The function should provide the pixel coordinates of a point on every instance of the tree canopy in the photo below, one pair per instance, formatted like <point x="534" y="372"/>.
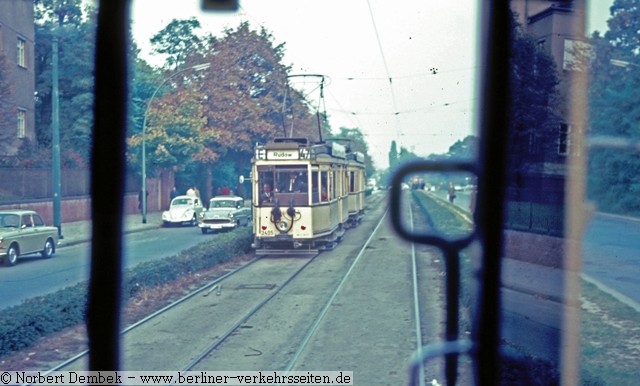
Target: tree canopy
<point x="614" y="106"/>
<point x="210" y="102"/>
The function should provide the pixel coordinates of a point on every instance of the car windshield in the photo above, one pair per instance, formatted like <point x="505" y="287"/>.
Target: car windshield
<point x="402" y="83"/>
<point x="223" y="204"/>
<point x="182" y="202"/>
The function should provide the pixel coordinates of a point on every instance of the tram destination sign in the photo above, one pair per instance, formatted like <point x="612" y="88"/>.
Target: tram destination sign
<point x="292" y="154"/>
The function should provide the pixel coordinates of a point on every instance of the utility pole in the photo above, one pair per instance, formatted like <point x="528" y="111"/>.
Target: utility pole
<point x="55" y="136"/>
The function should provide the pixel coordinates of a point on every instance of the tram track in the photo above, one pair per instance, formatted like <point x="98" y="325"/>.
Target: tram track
<point x="230" y="327"/>
<point x="429" y="267"/>
<point x="155" y="342"/>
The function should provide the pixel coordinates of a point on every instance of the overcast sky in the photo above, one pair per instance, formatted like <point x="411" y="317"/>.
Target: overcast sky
<point x="379" y="59"/>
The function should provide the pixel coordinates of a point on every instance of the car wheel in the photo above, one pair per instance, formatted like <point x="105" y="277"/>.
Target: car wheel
<point x="204" y="231"/>
<point x="194" y="221"/>
<point x="48" y="249"/>
<point x="12" y="255"/>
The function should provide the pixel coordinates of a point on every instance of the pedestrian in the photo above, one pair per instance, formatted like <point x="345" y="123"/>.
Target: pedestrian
<point x="140" y="199"/>
<point x="451" y="192"/>
<point x="173" y="194"/>
<point x="191" y="191"/>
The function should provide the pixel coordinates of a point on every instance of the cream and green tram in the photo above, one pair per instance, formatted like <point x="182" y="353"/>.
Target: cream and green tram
<point x="300" y="195"/>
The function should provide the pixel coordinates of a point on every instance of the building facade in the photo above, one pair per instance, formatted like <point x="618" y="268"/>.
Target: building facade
<point x="17" y="75"/>
<point x="558" y="28"/>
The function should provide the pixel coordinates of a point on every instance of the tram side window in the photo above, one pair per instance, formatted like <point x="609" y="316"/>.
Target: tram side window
<point x="319" y="187"/>
<point x="334" y="182"/>
<point x="324" y="187"/>
<point x="352" y="182"/>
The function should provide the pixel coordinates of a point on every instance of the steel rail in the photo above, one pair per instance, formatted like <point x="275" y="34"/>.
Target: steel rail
<point x="158" y="312"/>
<point x="244" y="318"/>
<point x="314" y="326"/>
<point x="416" y="301"/>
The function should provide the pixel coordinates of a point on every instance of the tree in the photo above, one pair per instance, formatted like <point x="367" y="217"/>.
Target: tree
<point x="59" y="12"/>
<point x="174" y="132"/>
<point x="178" y="41"/>
<point x="614" y="106"/>
<point x="358" y="143"/>
<point x="246" y="90"/>
<point x="464" y="149"/>
<point x="534" y="98"/>
<point x="74" y="31"/>
<point x="393" y="155"/>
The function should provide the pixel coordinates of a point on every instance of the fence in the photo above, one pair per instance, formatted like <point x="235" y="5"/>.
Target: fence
<point x="35" y="184"/>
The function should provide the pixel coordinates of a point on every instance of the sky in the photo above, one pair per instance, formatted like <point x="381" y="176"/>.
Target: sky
<point x="397" y="72"/>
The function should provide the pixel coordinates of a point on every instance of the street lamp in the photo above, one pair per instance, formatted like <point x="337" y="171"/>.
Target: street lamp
<point x="198" y="67"/>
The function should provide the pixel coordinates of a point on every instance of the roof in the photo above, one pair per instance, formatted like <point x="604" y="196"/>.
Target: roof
<point x="17" y="211"/>
<point x="227" y="197"/>
<point x="184" y="196"/>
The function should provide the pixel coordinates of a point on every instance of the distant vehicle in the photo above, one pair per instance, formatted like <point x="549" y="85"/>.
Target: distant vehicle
<point x="225" y="212"/>
<point x="183" y="210"/>
<point x="23" y="232"/>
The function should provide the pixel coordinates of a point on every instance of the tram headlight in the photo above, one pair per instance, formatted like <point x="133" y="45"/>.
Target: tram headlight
<point x="283" y="226"/>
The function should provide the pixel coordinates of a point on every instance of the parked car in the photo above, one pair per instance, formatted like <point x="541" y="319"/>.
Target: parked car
<point x="23" y="232"/>
<point x="183" y="210"/>
<point x="225" y="212"/>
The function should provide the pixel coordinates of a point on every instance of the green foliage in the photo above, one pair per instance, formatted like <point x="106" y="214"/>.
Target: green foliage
<point x="178" y="41"/>
<point x="247" y="89"/>
<point x="75" y="72"/>
<point x="358" y="143"/>
<point x="614" y="106"/>
<point x="534" y="96"/>
<point x="614" y="180"/>
<point x="22" y="325"/>
<point x="396" y="159"/>
<point x="58" y="12"/>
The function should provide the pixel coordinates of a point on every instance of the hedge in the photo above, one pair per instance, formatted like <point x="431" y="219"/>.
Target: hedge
<point x="24" y="324"/>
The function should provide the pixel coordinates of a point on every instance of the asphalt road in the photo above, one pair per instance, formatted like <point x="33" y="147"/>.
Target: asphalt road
<point x="34" y="276"/>
<point x="611" y="254"/>
<point x="610" y="251"/>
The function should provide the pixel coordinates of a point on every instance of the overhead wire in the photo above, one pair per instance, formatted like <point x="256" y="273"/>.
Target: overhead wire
<point x="386" y="67"/>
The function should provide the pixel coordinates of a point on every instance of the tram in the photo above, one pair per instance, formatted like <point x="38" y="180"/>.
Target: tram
<point x="305" y="195"/>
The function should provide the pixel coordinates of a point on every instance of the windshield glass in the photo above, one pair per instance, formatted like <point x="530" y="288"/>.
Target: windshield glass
<point x="395" y="84"/>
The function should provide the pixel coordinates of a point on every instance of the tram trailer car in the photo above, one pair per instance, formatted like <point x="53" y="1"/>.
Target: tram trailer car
<point x="305" y="195"/>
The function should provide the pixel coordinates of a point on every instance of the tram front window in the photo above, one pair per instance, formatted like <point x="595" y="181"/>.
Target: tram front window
<point x="286" y="186"/>
<point x="292" y="181"/>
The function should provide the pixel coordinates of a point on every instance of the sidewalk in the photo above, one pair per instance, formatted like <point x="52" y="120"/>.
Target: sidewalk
<point x="80" y="231"/>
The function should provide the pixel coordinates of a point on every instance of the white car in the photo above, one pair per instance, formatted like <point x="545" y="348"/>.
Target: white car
<point x="225" y="212"/>
<point x="183" y="210"/>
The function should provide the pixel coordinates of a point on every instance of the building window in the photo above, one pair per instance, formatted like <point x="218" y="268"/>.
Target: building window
<point x="563" y="139"/>
<point x="22" y="123"/>
<point x="22" y="60"/>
